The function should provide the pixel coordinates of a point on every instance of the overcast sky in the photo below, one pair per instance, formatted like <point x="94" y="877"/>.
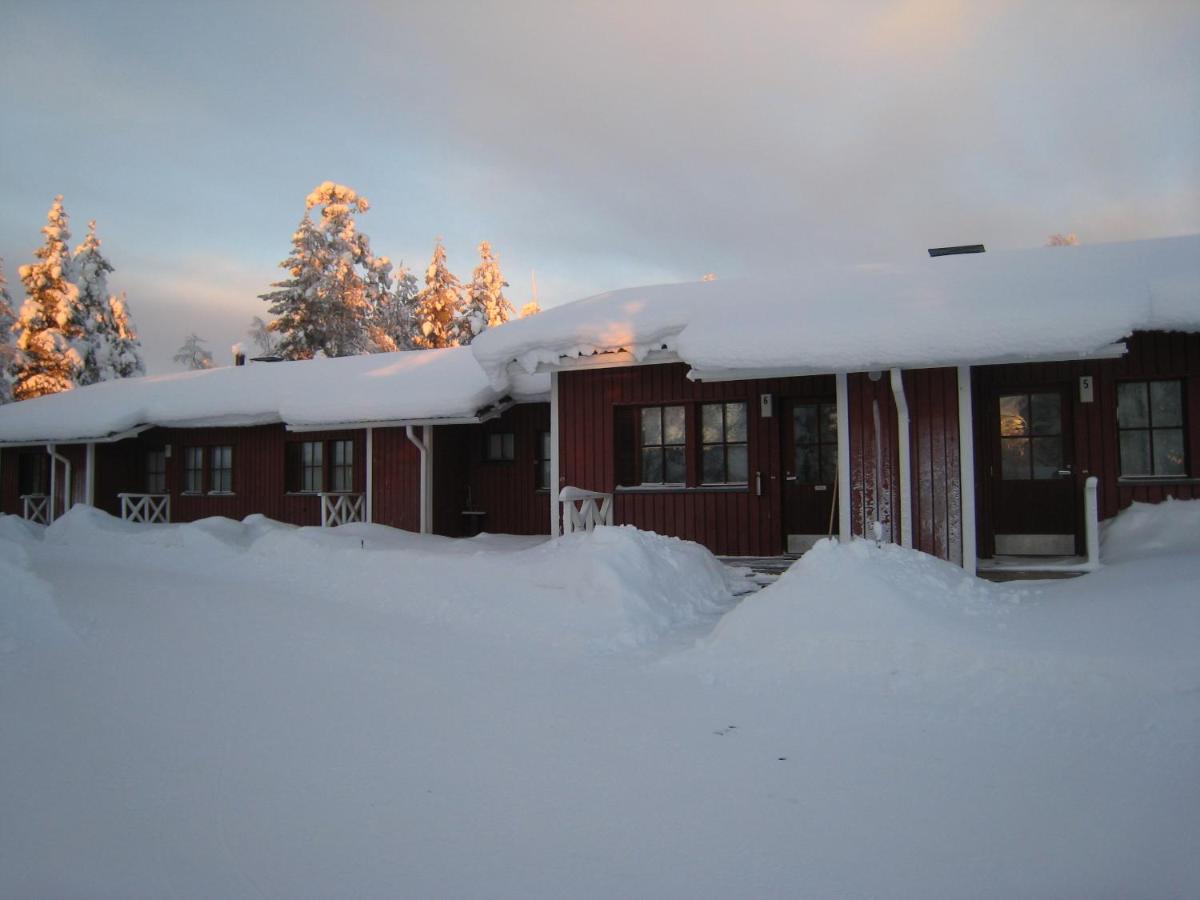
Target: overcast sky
<point x="601" y="144"/>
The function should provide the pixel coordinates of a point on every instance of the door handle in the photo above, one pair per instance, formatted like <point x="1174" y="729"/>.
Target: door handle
<point x="1065" y="472"/>
<point x="789" y="478"/>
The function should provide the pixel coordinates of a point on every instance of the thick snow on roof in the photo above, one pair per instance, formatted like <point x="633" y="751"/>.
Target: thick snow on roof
<point x="413" y="385"/>
<point x="1060" y="302"/>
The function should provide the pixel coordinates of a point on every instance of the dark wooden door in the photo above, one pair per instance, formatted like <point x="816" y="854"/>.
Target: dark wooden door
<point x="810" y="469"/>
<point x="1033" y="481"/>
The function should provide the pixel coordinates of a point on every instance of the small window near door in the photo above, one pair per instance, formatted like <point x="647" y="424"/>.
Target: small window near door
<point x="156" y="472"/>
<point x="1150" y="428"/>
<point x="1031" y="439"/>
<point x="814" y="429"/>
<point x="663" y="438"/>
<point x="501" y="447"/>
<point x="723" y="443"/>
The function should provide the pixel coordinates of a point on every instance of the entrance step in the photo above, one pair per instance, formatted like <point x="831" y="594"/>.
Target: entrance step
<point x="1030" y="568"/>
<point x="764" y="570"/>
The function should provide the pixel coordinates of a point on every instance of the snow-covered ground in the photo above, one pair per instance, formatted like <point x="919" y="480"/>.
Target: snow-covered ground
<point x="231" y="709"/>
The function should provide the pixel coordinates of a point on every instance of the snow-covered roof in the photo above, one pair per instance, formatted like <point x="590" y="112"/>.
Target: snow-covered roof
<point x="1046" y="303"/>
<point x="412" y="386"/>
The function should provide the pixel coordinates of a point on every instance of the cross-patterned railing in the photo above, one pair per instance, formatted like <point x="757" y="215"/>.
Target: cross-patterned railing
<point x="36" y="508"/>
<point x="146" y="508"/>
<point x="339" y="509"/>
<point x="584" y="510"/>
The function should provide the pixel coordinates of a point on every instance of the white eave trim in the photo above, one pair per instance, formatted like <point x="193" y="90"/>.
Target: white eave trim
<point x="1108" y="351"/>
<point x="492" y="413"/>
<point x="95" y="439"/>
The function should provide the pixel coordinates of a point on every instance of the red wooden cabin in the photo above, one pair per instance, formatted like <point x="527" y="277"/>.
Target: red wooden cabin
<point x="967" y="407"/>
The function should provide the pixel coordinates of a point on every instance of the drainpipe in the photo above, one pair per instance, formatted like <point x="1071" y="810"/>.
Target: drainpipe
<point x="555" y="505"/>
<point x="902" y="428"/>
<point x="55" y="457"/>
<point x="89" y="475"/>
<point x="843" y="451"/>
<point x="424" y="444"/>
<point x="370" y="504"/>
<point x="966" y="468"/>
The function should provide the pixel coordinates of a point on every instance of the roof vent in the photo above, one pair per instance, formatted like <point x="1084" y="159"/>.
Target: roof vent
<point x="956" y="251"/>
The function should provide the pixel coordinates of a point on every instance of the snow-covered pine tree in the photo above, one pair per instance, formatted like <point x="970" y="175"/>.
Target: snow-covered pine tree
<point x="7" y="349"/>
<point x="108" y="345"/>
<point x="394" y="314"/>
<point x="325" y="304"/>
<point x="50" y="320"/>
<point x="294" y="301"/>
<point x="530" y="309"/>
<point x="439" y="305"/>
<point x="124" y="346"/>
<point x="192" y="356"/>
<point x="89" y="271"/>
<point x="486" y="304"/>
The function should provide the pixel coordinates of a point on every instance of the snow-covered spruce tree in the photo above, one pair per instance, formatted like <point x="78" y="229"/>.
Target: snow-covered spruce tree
<point x="124" y="348"/>
<point x="393" y="317"/>
<point x="530" y="309"/>
<point x="335" y="280"/>
<point x="7" y="349"/>
<point x="50" y="321"/>
<point x="486" y="304"/>
<point x="439" y="305"/>
<point x="192" y="356"/>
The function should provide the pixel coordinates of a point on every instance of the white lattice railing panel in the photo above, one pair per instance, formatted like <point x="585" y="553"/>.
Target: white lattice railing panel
<point x="149" y="509"/>
<point x="584" y="510"/>
<point x="36" y="508"/>
<point x="340" y="509"/>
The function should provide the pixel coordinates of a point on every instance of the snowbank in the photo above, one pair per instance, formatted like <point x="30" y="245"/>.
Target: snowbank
<point x="1146" y="530"/>
<point x="859" y="609"/>
<point x="613" y="589"/>
<point x="1060" y="302"/>
<point x="381" y="387"/>
<point x="910" y="619"/>
<point x="29" y="619"/>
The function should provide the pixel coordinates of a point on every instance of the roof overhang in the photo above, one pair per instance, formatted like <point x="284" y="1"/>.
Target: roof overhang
<point x="1108" y="351"/>
<point x="96" y="439"/>
<point x="484" y="415"/>
<point x="601" y="359"/>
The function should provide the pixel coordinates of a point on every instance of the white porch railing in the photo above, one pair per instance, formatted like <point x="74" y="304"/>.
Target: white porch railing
<point x="339" y="509"/>
<point x="36" y="508"/>
<point x="149" y="509"/>
<point x="584" y="510"/>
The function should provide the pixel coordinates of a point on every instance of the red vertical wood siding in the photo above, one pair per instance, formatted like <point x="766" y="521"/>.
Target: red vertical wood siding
<point x="932" y="396"/>
<point x="396" y="479"/>
<point x="505" y="490"/>
<point x="733" y="521"/>
<point x="1151" y="355"/>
